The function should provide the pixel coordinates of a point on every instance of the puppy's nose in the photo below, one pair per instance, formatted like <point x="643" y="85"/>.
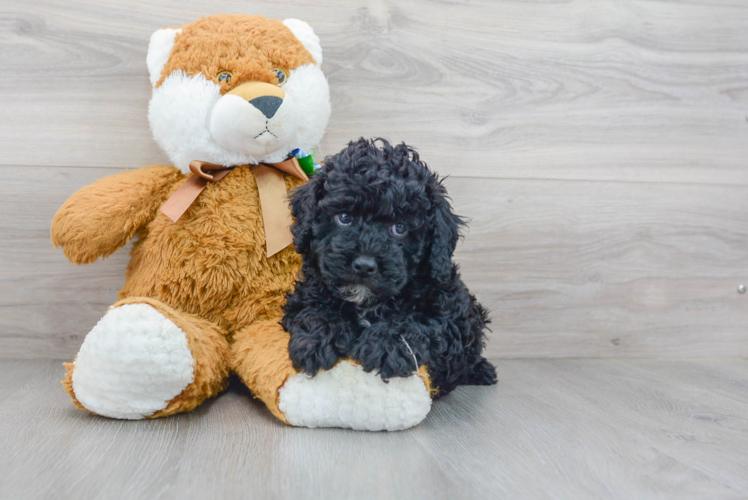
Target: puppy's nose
<point x="365" y="266"/>
<point x="268" y="104"/>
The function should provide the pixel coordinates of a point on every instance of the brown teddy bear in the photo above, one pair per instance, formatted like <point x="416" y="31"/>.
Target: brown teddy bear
<point x="233" y="97"/>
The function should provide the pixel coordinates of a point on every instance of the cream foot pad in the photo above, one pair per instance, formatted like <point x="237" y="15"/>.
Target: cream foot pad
<point x="348" y="397"/>
<point x="132" y="363"/>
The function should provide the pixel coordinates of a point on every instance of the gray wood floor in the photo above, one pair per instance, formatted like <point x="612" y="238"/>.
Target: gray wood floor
<point x="550" y="429"/>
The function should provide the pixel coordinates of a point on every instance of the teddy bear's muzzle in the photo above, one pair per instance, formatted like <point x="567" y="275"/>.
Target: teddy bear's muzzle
<point x="255" y="118"/>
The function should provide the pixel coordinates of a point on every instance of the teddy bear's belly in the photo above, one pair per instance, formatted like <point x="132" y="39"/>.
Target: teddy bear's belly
<point x="212" y="262"/>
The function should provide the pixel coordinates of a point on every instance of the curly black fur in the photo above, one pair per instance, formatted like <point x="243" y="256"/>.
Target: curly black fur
<point x="372" y="294"/>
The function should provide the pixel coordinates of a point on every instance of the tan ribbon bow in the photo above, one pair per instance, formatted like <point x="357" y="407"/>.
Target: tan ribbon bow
<point x="276" y="216"/>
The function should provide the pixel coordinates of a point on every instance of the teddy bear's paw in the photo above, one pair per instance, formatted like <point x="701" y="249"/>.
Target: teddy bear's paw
<point x="132" y="363"/>
<point x="348" y="397"/>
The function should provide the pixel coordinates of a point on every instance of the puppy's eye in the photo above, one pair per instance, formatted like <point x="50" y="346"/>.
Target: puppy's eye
<point x="224" y="77"/>
<point x="343" y="219"/>
<point x="280" y="75"/>
<point x="398" y="230"/>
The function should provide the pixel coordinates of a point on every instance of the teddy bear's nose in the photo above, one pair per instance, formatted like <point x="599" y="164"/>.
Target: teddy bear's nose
<point x="268" y="104"/>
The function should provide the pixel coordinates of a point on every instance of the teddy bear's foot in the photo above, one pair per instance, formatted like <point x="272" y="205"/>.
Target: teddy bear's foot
<point x="348" y="397"/>
<point x="144" y="359"/>
<point x="344" y="396"/>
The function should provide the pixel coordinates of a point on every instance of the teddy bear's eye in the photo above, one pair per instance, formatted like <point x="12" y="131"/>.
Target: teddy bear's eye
<point x="343" y="219"/>
<point x="280" y="75"/>
<point x="224" y="76"/>
<point x="399" y="230"/>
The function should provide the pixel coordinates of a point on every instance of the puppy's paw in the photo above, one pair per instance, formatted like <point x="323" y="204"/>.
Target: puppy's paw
<point x="375" y="357"/>
<point x="483" y="373"/>
<point x="390" y="354"/>
<point x="397" y="366"/>
<point x="311" y="354"/>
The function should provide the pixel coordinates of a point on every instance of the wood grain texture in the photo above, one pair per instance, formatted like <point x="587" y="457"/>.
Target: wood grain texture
<point x="549" y="429"/>
<point x="599" y="148"/>
<point x="568" y="269"/>
<point x="573" y="269"/>
<point x="601" y="90"/>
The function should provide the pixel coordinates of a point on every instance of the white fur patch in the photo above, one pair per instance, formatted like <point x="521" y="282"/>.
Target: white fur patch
<point x="132" y="363"/>
<point x="239" y="126"/>
<point x="348" y="397"/>
<point x="181" y="109"/>
<point x="159" y="50"/>
<point x="356" y="293"/>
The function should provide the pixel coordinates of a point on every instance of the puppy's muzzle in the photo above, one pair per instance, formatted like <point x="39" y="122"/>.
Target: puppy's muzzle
<point x="365" y="266"/>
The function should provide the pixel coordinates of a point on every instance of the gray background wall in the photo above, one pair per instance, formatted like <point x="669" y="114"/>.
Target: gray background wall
<point x="600" y="149"/>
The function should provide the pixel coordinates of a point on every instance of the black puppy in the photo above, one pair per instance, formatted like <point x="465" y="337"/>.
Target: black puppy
<point x="376" y="232"/>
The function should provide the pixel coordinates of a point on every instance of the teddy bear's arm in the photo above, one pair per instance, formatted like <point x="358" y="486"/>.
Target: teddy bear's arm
<point x="100" y="218"/>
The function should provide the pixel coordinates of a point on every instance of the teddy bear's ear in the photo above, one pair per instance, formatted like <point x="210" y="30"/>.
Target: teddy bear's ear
<point x="159" y="49"/>
<point x="305" y="34"/>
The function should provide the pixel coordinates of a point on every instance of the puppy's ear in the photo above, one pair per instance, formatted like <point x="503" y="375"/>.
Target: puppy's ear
<point x="304" y="201"/>
<point x="445" y="231"/>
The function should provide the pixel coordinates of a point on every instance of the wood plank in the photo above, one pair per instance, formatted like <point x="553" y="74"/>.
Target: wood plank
<point x="550" y="428"/>
<point x="714" y="375"/>
<point x="568" y="268"/>
<point x="47" y="303"/>
<point x="607" y="269"/>
<point x="598" y="90"/>
<point x="608" y="431"/>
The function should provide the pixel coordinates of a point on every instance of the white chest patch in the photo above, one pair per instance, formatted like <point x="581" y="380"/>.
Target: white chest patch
<point x="348" y="397"/>
<point x="356" y="293"/>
